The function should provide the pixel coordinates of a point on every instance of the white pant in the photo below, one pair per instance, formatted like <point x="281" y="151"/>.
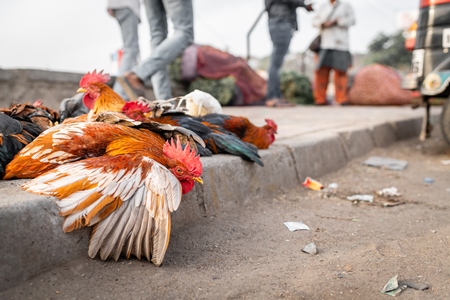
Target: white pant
<point x="128" y="22"/>
<point x="165" y="50"/>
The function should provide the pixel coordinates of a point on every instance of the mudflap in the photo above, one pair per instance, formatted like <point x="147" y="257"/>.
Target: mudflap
<point x="445" y="120"/>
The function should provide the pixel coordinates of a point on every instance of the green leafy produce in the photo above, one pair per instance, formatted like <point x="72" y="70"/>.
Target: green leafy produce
<point x="222" y="89"/>
<point x="296" y="88"/>
<point x="175" y="70"/>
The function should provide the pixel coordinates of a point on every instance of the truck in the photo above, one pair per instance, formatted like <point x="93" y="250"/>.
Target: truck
<point x="430" y="65"/>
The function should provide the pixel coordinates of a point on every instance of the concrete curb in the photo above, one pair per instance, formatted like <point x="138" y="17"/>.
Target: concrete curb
<point x="32" y="236"/>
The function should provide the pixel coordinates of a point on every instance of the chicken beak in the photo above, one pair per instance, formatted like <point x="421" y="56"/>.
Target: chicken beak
<point x="81" y="90"/>
<point x="198" y="179"/>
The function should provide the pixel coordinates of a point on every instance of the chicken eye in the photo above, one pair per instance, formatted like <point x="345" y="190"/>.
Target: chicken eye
<point x="179" y="171"/>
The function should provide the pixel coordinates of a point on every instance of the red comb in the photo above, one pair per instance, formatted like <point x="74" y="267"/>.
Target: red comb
<point x="135" y="105"/>
<point x="272" y="124"/>
<point x="94" y="77"/>
<point x="187" y="157"/>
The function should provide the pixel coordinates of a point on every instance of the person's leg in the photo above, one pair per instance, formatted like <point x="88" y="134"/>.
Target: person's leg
<point x="321" y="77"/>
<point x="181" y="14"/>
<point x="280" y="34"/>
<point x="340" y="84"/>
<point x="128" y="22"/>
<point x="157" y="20"/>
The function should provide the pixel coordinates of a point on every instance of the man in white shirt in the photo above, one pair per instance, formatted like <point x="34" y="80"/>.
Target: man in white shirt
<point x="334" y="19"/>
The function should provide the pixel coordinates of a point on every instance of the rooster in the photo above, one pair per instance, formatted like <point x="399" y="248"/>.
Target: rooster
<point x="19" y="125"/>
<point x="99" y="97"/>
<point x="261" y="137"/>
<point x="217" y="139"/>
<point x="122" y="180"/>
<point x="72" y="107"/>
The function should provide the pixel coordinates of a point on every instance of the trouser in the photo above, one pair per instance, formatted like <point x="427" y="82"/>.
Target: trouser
<point x="281" y="35"/>
<point x="165" y="50"/>
<point x="321" y="78"/>
<point x="128" y="22"/>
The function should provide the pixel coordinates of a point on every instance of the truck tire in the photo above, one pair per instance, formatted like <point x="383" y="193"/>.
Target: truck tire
<point x="445" y="120"/>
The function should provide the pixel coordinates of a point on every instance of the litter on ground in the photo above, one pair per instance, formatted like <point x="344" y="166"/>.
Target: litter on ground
<point x="293" y="226"/>
<point x="392" y="288"/>
<point x="389" y="192"/>
<point x="333" y="185"/>
<point x="367" y="198"/>
<point x="312" y="184"/>
<point x="386" y="162"/>
<point x="428" y="180"/>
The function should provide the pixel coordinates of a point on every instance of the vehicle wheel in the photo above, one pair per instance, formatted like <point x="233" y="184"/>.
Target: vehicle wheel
<point x="445" y="120"/>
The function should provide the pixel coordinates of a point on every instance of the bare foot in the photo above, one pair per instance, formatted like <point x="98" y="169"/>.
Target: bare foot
<point x="276" y="102"/>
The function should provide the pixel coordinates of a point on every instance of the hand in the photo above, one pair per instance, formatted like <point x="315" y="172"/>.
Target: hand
<point x="309" y="7"/>
<point x="329" y="24"/>
<point x="111" y="12"/>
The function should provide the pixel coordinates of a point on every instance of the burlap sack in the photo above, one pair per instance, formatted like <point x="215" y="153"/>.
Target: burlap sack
<point x="378" y="85"/>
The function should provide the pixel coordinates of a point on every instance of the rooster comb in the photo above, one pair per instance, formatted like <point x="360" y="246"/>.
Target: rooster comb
<point x="186" y="156"/>
<point x="271" y="123"/>
<point x="136" y="105"/>
<point x="94" y="77"/>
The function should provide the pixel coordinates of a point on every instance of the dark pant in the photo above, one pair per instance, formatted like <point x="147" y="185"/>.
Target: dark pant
<point x="280" y="34"/>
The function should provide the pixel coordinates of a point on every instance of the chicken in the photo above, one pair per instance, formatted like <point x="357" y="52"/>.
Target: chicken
<point x="261" y="137"/>
<point x="122" y="180"/>
<point x="36" y="113"/>
<point x="98" y="96"/>
<point x="199" y="103"/>
<point x="19" y="125"/>
<point x="217" y="139"/>
<point x="72" y="107"/>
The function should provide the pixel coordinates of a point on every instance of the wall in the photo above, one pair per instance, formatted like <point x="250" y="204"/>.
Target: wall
<point x="26" y="85"/>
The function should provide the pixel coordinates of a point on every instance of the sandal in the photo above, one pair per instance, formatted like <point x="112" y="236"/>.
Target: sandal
<point x="132" y="93"/>
<point x="276" y="102"/>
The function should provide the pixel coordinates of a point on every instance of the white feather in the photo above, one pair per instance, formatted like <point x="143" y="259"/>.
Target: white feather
<point x="199" y="103"/>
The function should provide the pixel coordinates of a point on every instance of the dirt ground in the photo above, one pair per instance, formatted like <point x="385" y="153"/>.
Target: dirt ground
<point x="248" y="253"/>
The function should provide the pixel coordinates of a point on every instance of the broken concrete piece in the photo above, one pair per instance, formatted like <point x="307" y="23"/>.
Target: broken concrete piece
<point x="310" y="249"/>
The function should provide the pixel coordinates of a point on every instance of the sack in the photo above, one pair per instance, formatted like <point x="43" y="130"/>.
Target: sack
<point x="315" y="44"/>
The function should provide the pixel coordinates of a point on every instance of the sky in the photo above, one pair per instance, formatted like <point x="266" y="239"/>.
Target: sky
<point x="79" y="36"/>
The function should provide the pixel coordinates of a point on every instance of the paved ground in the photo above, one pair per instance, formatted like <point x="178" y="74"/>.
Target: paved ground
<point x="228" y="230"/>
<point x="303" y="120"/>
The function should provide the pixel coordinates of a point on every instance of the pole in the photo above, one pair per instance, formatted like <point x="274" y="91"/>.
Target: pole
<point x="250" y="31"/>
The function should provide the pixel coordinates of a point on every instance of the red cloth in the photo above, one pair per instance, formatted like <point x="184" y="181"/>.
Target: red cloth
<point x="377" y="84"/>
<point x="215" y="64"/>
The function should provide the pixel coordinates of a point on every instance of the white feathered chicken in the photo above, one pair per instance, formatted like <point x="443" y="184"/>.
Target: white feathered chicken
<point x="199" y="103"/>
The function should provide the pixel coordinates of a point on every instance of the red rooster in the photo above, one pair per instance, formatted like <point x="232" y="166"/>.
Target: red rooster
<point x="123" y="180"/>
<point x="98" y="96"/>
<point x="261" y="137"/>
<point x="217" y="139"/>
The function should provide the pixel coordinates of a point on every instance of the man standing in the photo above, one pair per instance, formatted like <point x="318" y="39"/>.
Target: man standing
<point x="334" y="19"/>
<point x="282" y="25"/>
<point x="164" y="49"/>
<point x="127" y="14"/>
